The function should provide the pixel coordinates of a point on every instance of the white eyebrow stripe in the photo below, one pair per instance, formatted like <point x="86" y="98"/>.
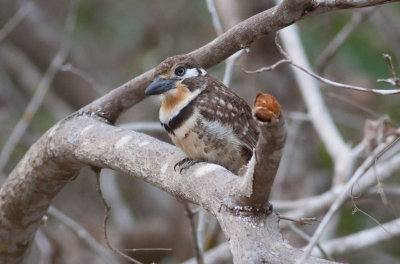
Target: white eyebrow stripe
<point x="192" y="72"/>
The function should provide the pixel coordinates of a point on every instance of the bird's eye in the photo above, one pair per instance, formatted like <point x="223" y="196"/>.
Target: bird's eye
<point x="180" y="71"/>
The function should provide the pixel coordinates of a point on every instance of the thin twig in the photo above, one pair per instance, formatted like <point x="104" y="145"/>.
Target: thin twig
<point x="107" y="209"/>
<point x="317" y="111"/>
<point x="300" y="221"/>
<point x="122" y="211"/>
<point x="85" y="76"/>
<point x="230" y="63"/>
<point x="82" y="233"/>
<point x="15" y="20"/>
<point x="313" y="205"/>
<point x="394" y="80"/>
<point x="365" y="166"/>
<point x="46" y="248"/>
<point x="40" y="93"/>
<point x="269" y="68"/>
<point x="379" y="186"/>
<point x="197" y="249"/>
<point x="215" y="18"/>
<point x="201" y="228"/>
<point x="322" y="79"/>
<point x="307" y="238"/>
<point x="357" y="209"/>
<point x="391" y="190"/>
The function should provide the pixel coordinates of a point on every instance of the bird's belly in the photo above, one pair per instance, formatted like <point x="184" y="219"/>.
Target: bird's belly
<point x="199" y="142"/>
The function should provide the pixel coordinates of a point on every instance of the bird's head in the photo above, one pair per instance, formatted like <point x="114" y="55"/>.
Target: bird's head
<point x="173" y="71"/>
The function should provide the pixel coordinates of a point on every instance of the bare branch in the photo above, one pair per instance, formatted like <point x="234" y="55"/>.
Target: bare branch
<point x="45" y="246"/>
<point x="370" y="161"/>
<point x="196" y="247"/>
<point x="394" y="80"/>
<point x="73" y="143"/>
<point x="230" y="63"/>
<point x="324" y="5"/>
<point x="317" y="111"/>
<point x="235" y="39"/>
<point x="327" y="81"/>
<point x="363" y="239"/>
<point x="315" y="204"/>
<point x="15" y="20"/>
<point x="306" y="237"/>
<point x="107" y="209"/>
<point x="215" y="18"/>
<point x="121" y="214"/>
<point x="260" y="174"/>
<point x="82" y="233"/>
<point x="238" y="37"/>
<point x="80" y="141"/>
<point x="202" y="222"/>
<point x="216" y="255"/>
<point x="42" y="88"/>
<point x="300" y="221"/>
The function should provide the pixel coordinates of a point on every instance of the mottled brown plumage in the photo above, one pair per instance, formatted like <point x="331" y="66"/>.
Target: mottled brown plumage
<point x="203" y="117"/>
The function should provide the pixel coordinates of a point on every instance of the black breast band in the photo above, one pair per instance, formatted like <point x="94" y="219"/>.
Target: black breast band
<point x="181" y="117"/>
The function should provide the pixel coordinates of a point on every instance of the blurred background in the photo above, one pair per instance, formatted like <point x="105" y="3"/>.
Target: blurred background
<point x="114" y="41"/>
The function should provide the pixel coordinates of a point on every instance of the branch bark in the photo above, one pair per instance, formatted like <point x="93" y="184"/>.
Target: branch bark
<point x="79" y="141"/>
<point x="86" y="138"/>
<point x="262" y="168"/>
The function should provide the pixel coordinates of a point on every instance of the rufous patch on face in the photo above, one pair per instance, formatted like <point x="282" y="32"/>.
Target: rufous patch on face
<point x="175" y="97"/>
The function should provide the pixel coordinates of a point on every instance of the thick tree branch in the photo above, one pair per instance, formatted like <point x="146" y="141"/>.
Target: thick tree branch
<point x="238" y="37"/>
<point x="330" y="5"/>
<point x="262" y="168"/>
<point x="85" y="139"/>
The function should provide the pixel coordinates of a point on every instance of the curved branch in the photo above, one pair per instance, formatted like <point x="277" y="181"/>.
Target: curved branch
<point x="238" y="37"/>
<point x="79" y="141"/>
<point x="85" y="139"/>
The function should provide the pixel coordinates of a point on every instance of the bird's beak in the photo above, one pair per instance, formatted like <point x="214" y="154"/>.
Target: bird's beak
<point x="159" y="85"/>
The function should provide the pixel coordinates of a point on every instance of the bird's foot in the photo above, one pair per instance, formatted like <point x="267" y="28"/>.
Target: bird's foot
<point x="186" y="163"/>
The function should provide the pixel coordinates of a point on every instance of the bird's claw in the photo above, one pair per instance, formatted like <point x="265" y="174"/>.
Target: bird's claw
<point x="181" y="162"/>
<point x="185" y="164"/>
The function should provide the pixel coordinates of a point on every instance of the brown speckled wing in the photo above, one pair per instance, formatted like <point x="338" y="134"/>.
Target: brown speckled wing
<point x="219" y="103"/>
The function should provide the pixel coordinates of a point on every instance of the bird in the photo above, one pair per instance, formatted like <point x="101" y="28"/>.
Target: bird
<point x="203" y="117"/>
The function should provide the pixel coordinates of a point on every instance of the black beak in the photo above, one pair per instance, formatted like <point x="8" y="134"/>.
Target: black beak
<point x="159" y="85"/>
